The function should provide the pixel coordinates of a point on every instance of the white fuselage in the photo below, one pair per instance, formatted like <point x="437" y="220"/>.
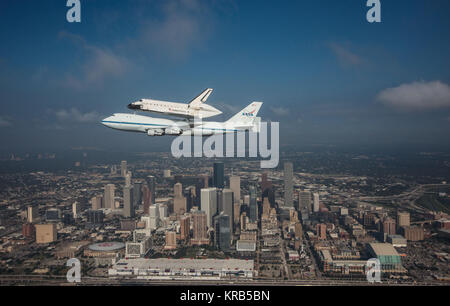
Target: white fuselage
<point x="175" y="109"/>
<point x="160" y="127"/>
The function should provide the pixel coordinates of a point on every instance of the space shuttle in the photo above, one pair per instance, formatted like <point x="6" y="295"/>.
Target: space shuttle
<point x="197" y="108"/>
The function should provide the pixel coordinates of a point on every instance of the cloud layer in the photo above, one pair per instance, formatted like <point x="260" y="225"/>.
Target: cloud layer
<point x="4" y="122"/>
<point x="74" y="115"/>
<point x="345" y="56"/>
<point x="417" y="96"/>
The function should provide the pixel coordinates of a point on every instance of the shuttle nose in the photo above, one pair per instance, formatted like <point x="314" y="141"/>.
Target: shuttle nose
<point x="134" y="106"/>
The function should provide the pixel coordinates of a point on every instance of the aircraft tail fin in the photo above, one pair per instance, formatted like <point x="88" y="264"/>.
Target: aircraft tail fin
<point x="247" y="116"/>
<point x="196" y="102"/>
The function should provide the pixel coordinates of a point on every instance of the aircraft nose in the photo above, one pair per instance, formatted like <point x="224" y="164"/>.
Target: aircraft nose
<point x="107" y="121"/>
<point x="134" y="106"/>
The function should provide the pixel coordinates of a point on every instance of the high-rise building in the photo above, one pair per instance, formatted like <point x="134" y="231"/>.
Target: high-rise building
<point x="244" y="221"/>
<point x="179" y="201"/>
<point x="94" y="218"/>
<point x="219" y="175"/>
<point x="97" y="202"/>
<point x="222" y="238"/>
<point x="209" y="204"/>
<point x="253" y="205"/>
<point x="413" y="233"/>
<point x="154" y="216"/>
<point x="298" y="231"/>
<point x="32" y="213"/>
<point x="321" y="231"/>
<point x="265" y="183"/>
<point x="76" y="210"/>
<point x="166" y="173"/>
<point x="304" y="201"/>
<point x="185" y="228"/>
<point x="316" y="202"/>
<point x="228" y="206"/>
<point x="53" y="214"/>
<point x="45" y="233"/>
<point x="28" y="230"/>
<point x="403" y="219"/>
<point x="109" y="196"/>
<point x="128" y="208"/>
<point x="288" y="184"/>
<point x="235" y="186"/>
<point x="128" y="178"/>
<point x="237" y="212"/>
<point x="123" y="168"/>
<point x="171" y="240"/>
<point x="200" y="228"/>
<point x="137" y="194"/>
<point x="266" y="209"/>
<point x="147" y="198"/>
<point x="151" y="183"/>
<point x="389" y="227"/>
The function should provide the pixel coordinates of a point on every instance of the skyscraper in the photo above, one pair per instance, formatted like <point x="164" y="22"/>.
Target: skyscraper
<point x="123" y="168"/>
<point x="222" y="238"/>
<point x="321" y="231"/>
<point x="128" y="178"/>
<point x="209" y="204"/>
<point x="179" y="201"/>
<point x="219" y="175"/>
<point x="128" y="208"/>
<point x="253" y="205"/>
<point x="97" y="202"/>
<point x="228" y="206"/>
<point x="109" y="196"/>
<point x="147" y="198"/>
<point x="76" y="209"/>
<point x="316" y="202"/>
<point x="200" y="233"/>
<point x="403" y="219"/>
<point x="32" y="213"/>
<point x="304" y="201"/>
<point x="185" y="227"/>
<point x="151" y="183"/>
<point x="389" y="226"/>
<point x="288" y="184"/>
<point x="137" y="194"/>
<point x="235" y="186"/>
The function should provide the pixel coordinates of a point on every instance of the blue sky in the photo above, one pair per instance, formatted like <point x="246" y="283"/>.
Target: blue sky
<point x="326" y="74"/>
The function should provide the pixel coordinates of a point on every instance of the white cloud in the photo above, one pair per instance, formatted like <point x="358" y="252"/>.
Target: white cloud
<point x="417" y="96"/>
<point x="345" y="56"/>
<point x="280" y="111"/>
<point x="4" y="122"/>
<point x="184" y="24"/>
<point x="100" y="64"/>
<point x="74" y="115"/>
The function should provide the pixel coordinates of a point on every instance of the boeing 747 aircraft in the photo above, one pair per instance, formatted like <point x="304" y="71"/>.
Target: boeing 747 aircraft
<point x="245" y="120"/>
<point x="197" y="108"/>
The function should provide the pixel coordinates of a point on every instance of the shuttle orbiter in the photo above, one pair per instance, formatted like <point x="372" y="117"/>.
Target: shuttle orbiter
<point x="197" y="108"/>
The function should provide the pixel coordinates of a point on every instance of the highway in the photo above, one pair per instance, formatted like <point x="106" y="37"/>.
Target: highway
<point x="99" y="281"/>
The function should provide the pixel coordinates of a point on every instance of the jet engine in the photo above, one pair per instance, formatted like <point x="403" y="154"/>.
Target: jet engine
<point x="154" y="132"/>
<point x="173" y="131"/>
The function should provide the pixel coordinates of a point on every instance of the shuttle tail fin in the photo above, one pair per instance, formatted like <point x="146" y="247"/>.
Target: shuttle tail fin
<point x="195" y="103"/>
